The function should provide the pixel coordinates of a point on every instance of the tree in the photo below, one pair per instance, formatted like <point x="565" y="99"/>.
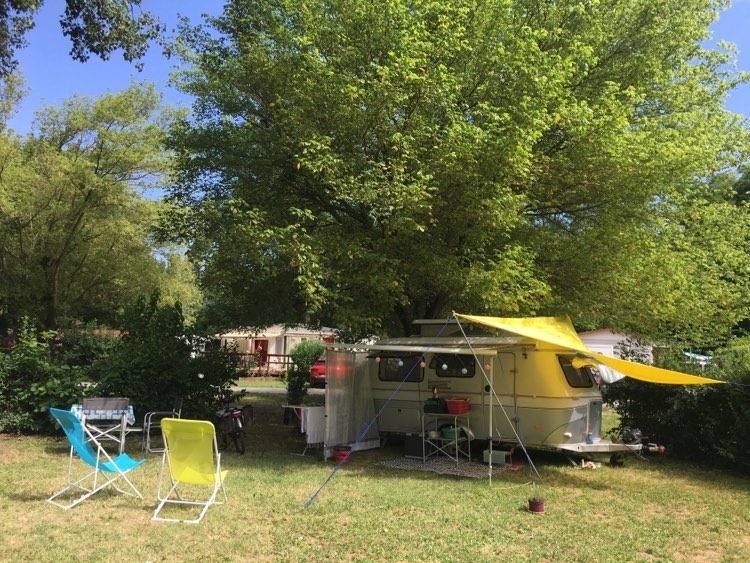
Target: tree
<point x="11" y="93"/>
<point x="179" y="283"/>
<point x="98" y="27"/>
<point x="742" y="185"/>
<point x="75" y="237"/>
<point x="368" y="163"/>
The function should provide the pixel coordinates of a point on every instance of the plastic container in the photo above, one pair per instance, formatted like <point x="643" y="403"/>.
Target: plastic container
<point x="457" y="406"/>
<point x="435" y="406"/>
<point x="413" y="445"/>
<point x="341" y="453"/>
<point x="451" y="432"/>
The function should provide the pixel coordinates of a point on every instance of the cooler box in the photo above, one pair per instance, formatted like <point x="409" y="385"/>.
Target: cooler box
<point x="435" y="406"/>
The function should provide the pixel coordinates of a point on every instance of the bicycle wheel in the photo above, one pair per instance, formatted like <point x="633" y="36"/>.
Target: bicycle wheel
<point x="221" y="435"/>
<point x="239" y="440"/>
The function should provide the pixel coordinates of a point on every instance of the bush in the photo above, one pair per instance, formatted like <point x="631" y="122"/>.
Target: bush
<point x="30" y="383"/>
<point x="84" y="346"/>
<point x="303" y="356"/>
<point x="156" y="360"/>
<point x="152" y="363"/>
<point x="693" y="421"/>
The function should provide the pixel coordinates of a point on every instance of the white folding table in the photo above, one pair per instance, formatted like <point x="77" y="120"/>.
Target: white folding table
<point x="312" y="420"/>
<point x="107" y="418"/>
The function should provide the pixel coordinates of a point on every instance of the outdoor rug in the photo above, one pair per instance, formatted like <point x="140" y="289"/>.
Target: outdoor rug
<point x="444" y="466"/>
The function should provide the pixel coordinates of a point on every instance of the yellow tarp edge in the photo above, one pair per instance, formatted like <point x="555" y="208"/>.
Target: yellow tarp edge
<point x="559" y="331"/>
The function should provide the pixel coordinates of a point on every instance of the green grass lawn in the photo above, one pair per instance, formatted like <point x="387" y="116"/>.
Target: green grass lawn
<point x="649" y="510"/>
<point x="260" y="382"/>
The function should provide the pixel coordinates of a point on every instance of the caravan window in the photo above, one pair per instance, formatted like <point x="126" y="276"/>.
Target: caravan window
<point x="577" y="377"/>
<point x="400" y="367"/>
<point x="453" y="365"/>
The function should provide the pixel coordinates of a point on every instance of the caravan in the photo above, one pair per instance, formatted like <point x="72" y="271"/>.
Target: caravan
<point x="519" y="381"/>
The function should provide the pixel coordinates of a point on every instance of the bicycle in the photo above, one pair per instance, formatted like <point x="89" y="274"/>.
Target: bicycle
<point x="231" y="419"/>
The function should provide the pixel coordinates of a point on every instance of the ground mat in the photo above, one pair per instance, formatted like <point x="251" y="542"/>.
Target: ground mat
<point x="444" y="466"/>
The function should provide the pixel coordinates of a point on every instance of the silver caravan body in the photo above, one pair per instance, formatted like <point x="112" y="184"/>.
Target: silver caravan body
<point x="519" y="389"/>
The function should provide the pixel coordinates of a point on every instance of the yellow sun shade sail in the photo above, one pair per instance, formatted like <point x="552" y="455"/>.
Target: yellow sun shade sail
<point x="559" y="331"/>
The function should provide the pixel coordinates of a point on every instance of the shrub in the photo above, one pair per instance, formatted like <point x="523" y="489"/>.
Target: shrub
<point x="84" y="346"/>
<point x="30" y="383"/>
<point x="303" y="356"/>
<point x="155" y="361"/>
<point x="693" y="421"/>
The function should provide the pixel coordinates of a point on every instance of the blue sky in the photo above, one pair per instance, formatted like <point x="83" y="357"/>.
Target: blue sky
<point x="52" y="76"/>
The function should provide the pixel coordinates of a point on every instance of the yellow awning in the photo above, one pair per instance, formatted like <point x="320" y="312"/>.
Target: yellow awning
<point x="559" y="331"/>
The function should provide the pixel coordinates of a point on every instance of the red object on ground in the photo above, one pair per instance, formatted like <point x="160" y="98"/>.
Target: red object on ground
<point x="340" y="453"/>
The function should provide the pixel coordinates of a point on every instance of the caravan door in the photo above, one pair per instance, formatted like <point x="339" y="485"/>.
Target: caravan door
<point x="499" y="405"/>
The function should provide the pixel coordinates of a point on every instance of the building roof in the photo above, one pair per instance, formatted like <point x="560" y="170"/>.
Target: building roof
<point x="278" y="330"/>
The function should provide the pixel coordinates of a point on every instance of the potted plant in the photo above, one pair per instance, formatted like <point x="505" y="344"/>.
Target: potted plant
<point x="536" y="505"/>
<point x="536" y="502"/>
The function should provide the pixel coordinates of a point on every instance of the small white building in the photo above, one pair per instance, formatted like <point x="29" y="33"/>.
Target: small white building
<point x="268" y="349"/>
<point x="610" y="343"/>
<point x="616" y="345"/>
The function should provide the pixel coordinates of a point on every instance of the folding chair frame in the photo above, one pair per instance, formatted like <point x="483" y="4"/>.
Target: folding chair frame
<point x="152" y="421"/>
<point x="106" y="470"/>
<point x="178" y="498"/>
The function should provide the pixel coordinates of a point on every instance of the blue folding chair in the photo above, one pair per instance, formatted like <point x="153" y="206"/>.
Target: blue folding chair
<point x="106" y="470"/>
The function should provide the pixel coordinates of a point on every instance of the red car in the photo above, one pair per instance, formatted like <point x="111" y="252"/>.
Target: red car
<point x="318" y="373"/>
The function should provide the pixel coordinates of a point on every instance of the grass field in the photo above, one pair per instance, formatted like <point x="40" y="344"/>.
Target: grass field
<point x="273" y="382"/>
<point x="655" y="510"/>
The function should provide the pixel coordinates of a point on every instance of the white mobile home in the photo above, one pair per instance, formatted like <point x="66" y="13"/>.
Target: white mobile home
<point x="616" y="345"/>
<point x="271" y="346"/>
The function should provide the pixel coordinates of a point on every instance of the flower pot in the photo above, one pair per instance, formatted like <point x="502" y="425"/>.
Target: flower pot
<point x="536" y="506"/>
<point x="341" y="453"/>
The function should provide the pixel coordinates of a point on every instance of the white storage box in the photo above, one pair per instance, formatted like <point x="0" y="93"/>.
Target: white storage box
<point x="499" y="457"/>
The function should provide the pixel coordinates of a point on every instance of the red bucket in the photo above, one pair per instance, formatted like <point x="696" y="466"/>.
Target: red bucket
<point x="341" y="453"/>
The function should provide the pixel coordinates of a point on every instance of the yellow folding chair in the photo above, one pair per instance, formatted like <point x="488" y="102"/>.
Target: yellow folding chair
<point x="193" y="459"/>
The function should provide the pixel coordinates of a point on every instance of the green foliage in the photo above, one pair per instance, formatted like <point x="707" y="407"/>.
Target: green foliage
<point x="693" y="421"/>
<point x="76" y="231"/>
<point x="155" y="361"/>
<point x="303" y="356"/>
<point x="30" y="383"/>
<point x="84" y="345"/>
<point x="98" y="27"/>
<point x="101" y="27"/>
<point x="368" y="163"/>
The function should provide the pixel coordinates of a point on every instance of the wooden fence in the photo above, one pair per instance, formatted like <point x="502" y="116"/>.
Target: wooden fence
<point x="274" y="364"/>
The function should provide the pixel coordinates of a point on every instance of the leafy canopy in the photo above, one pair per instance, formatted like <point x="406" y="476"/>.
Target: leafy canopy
<point x="75" y="229"/>
<point x="98" y="27"/>
<point x="367" y="163"/>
